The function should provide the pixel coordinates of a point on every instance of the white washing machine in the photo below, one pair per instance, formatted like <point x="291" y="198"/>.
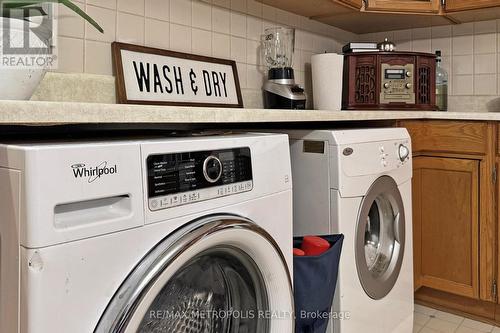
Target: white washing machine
<point x="358" y="182"/>
<point x="166" y="235"/>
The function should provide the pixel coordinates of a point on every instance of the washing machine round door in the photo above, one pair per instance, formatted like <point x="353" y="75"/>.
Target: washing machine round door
<point x="220" y="274"/>
<point x="380" y="238"/>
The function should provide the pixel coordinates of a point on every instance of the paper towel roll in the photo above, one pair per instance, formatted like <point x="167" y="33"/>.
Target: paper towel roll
<point x="327" y="69"/>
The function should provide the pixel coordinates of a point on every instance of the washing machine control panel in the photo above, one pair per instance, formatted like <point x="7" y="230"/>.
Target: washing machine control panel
<point x="181" y="178"/>
<point x="394" y="157"/>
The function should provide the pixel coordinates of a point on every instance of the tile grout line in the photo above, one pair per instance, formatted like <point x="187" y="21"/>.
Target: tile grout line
<point x="144" y="24"/>
<point x="84" y="65"/>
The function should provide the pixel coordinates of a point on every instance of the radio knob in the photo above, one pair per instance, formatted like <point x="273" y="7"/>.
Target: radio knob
<point x="387" y="85"/>
<point x="212" y="169"/>
<point x="408" y="74"/>
<point x="408" y="85"/>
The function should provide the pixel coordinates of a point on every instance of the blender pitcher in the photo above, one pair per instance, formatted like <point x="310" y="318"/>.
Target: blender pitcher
<point x="278" y="47"/>
<point x="280" y="90"/>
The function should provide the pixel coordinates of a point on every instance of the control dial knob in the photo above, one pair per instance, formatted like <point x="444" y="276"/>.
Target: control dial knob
<point x="404" y="152"/>
<point x="212" y="169"/>
<point x="387" y="85"/>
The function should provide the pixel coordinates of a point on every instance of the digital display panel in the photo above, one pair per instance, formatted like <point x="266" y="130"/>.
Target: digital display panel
<point x="183" y="172"/>
<point x="397" y="74"/>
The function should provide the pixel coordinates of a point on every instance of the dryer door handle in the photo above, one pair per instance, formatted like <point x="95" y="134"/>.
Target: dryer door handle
<point x="397" y="228"/>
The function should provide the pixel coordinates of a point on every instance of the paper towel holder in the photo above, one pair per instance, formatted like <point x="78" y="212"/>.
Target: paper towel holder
<point x="327" y="81"/>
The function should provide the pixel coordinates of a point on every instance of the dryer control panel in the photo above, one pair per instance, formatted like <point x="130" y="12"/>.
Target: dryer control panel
<point x="181" y="178"/>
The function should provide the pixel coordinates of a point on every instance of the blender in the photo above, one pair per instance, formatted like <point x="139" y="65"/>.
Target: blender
<point x="280" y="89"/>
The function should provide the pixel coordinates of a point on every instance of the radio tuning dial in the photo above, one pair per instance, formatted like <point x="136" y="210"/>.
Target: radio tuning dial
<point x="408" y="74"/>
<point x="387" y="85"/>
<point x="408" y="85"/>
<point x="212" y="169"/>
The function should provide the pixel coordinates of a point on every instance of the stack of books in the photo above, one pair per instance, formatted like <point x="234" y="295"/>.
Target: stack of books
<point x="360" y="47"/>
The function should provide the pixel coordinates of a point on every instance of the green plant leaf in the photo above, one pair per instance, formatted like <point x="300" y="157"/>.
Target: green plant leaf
<point x="80" y="12"/>
<point x="26" y="3"/>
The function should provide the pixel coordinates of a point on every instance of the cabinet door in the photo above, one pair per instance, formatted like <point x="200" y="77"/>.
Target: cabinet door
<point x="446" y="222"/>
<point x="458" y="5"/>
<point x="414" y="6"/>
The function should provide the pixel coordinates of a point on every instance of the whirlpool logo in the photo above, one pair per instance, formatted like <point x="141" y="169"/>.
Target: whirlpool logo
<point x="80" y="170"/>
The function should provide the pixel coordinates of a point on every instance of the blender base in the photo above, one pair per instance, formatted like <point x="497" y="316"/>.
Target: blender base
<point x="281" y="91"/>
<point x="274" y="101"/>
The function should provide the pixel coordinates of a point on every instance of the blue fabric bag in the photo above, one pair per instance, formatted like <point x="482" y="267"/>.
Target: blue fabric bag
<point x="315" y="279"/>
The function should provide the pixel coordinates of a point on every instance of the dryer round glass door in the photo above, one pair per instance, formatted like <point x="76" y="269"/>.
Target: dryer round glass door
<point x="380" y="238"/>
<point x="219" y="274"/>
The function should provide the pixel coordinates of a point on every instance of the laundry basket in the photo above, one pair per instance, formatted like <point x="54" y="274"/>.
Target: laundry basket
<point x="315" y="279"/>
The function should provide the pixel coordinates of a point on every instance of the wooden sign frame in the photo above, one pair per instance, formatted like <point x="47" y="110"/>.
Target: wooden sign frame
<point x="121" y="92"/>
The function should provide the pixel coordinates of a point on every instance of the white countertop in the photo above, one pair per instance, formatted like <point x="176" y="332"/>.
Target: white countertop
<point x="59" y="113"/>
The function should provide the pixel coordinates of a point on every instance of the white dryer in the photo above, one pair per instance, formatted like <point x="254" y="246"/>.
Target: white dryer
<point x="358" y="182"/>
<point x="179" y="234"/>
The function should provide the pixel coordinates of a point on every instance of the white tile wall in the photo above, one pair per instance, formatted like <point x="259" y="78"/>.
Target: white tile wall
<point x="180" y="11"/>
<point x="221" y="45"/>
<point x="130" y="28"/>
<point x="70" y="25"/>
<point x="202" y="42"/>
<point x="220" y="28"/>
<point x="103" y="3"/>
<point x="131" y="6"/>
<point x="232" y="29"/>
<point x="71" y="54"/>
<point x="158" y="9"/>
<point x="98" y="50"/>
<point x="157" y="33"/>
<point x="106" y="18"/>
<point x="471" y="55"/>
<point x="180" y="38"/>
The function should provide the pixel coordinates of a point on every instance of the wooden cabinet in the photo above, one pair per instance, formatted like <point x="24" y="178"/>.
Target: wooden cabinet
<point x="314" y="8"/>
<point x="446" y="223"/>
<point x="459" y="5"/>
<point x="415" y="6"/>
<point x="454" y="208"/>
<point x="367" y="16"/>
<point x="497" y="197"/>
<point x="351" y="3"/>
<point x="455" y="215"/>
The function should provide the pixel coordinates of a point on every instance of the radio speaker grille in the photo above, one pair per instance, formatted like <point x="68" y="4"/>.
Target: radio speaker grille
<point x="424" y="85"/>
<point x="365" y="84"/>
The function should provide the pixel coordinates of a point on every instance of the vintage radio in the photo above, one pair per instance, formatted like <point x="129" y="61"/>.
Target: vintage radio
<point x="389" y="80"/>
